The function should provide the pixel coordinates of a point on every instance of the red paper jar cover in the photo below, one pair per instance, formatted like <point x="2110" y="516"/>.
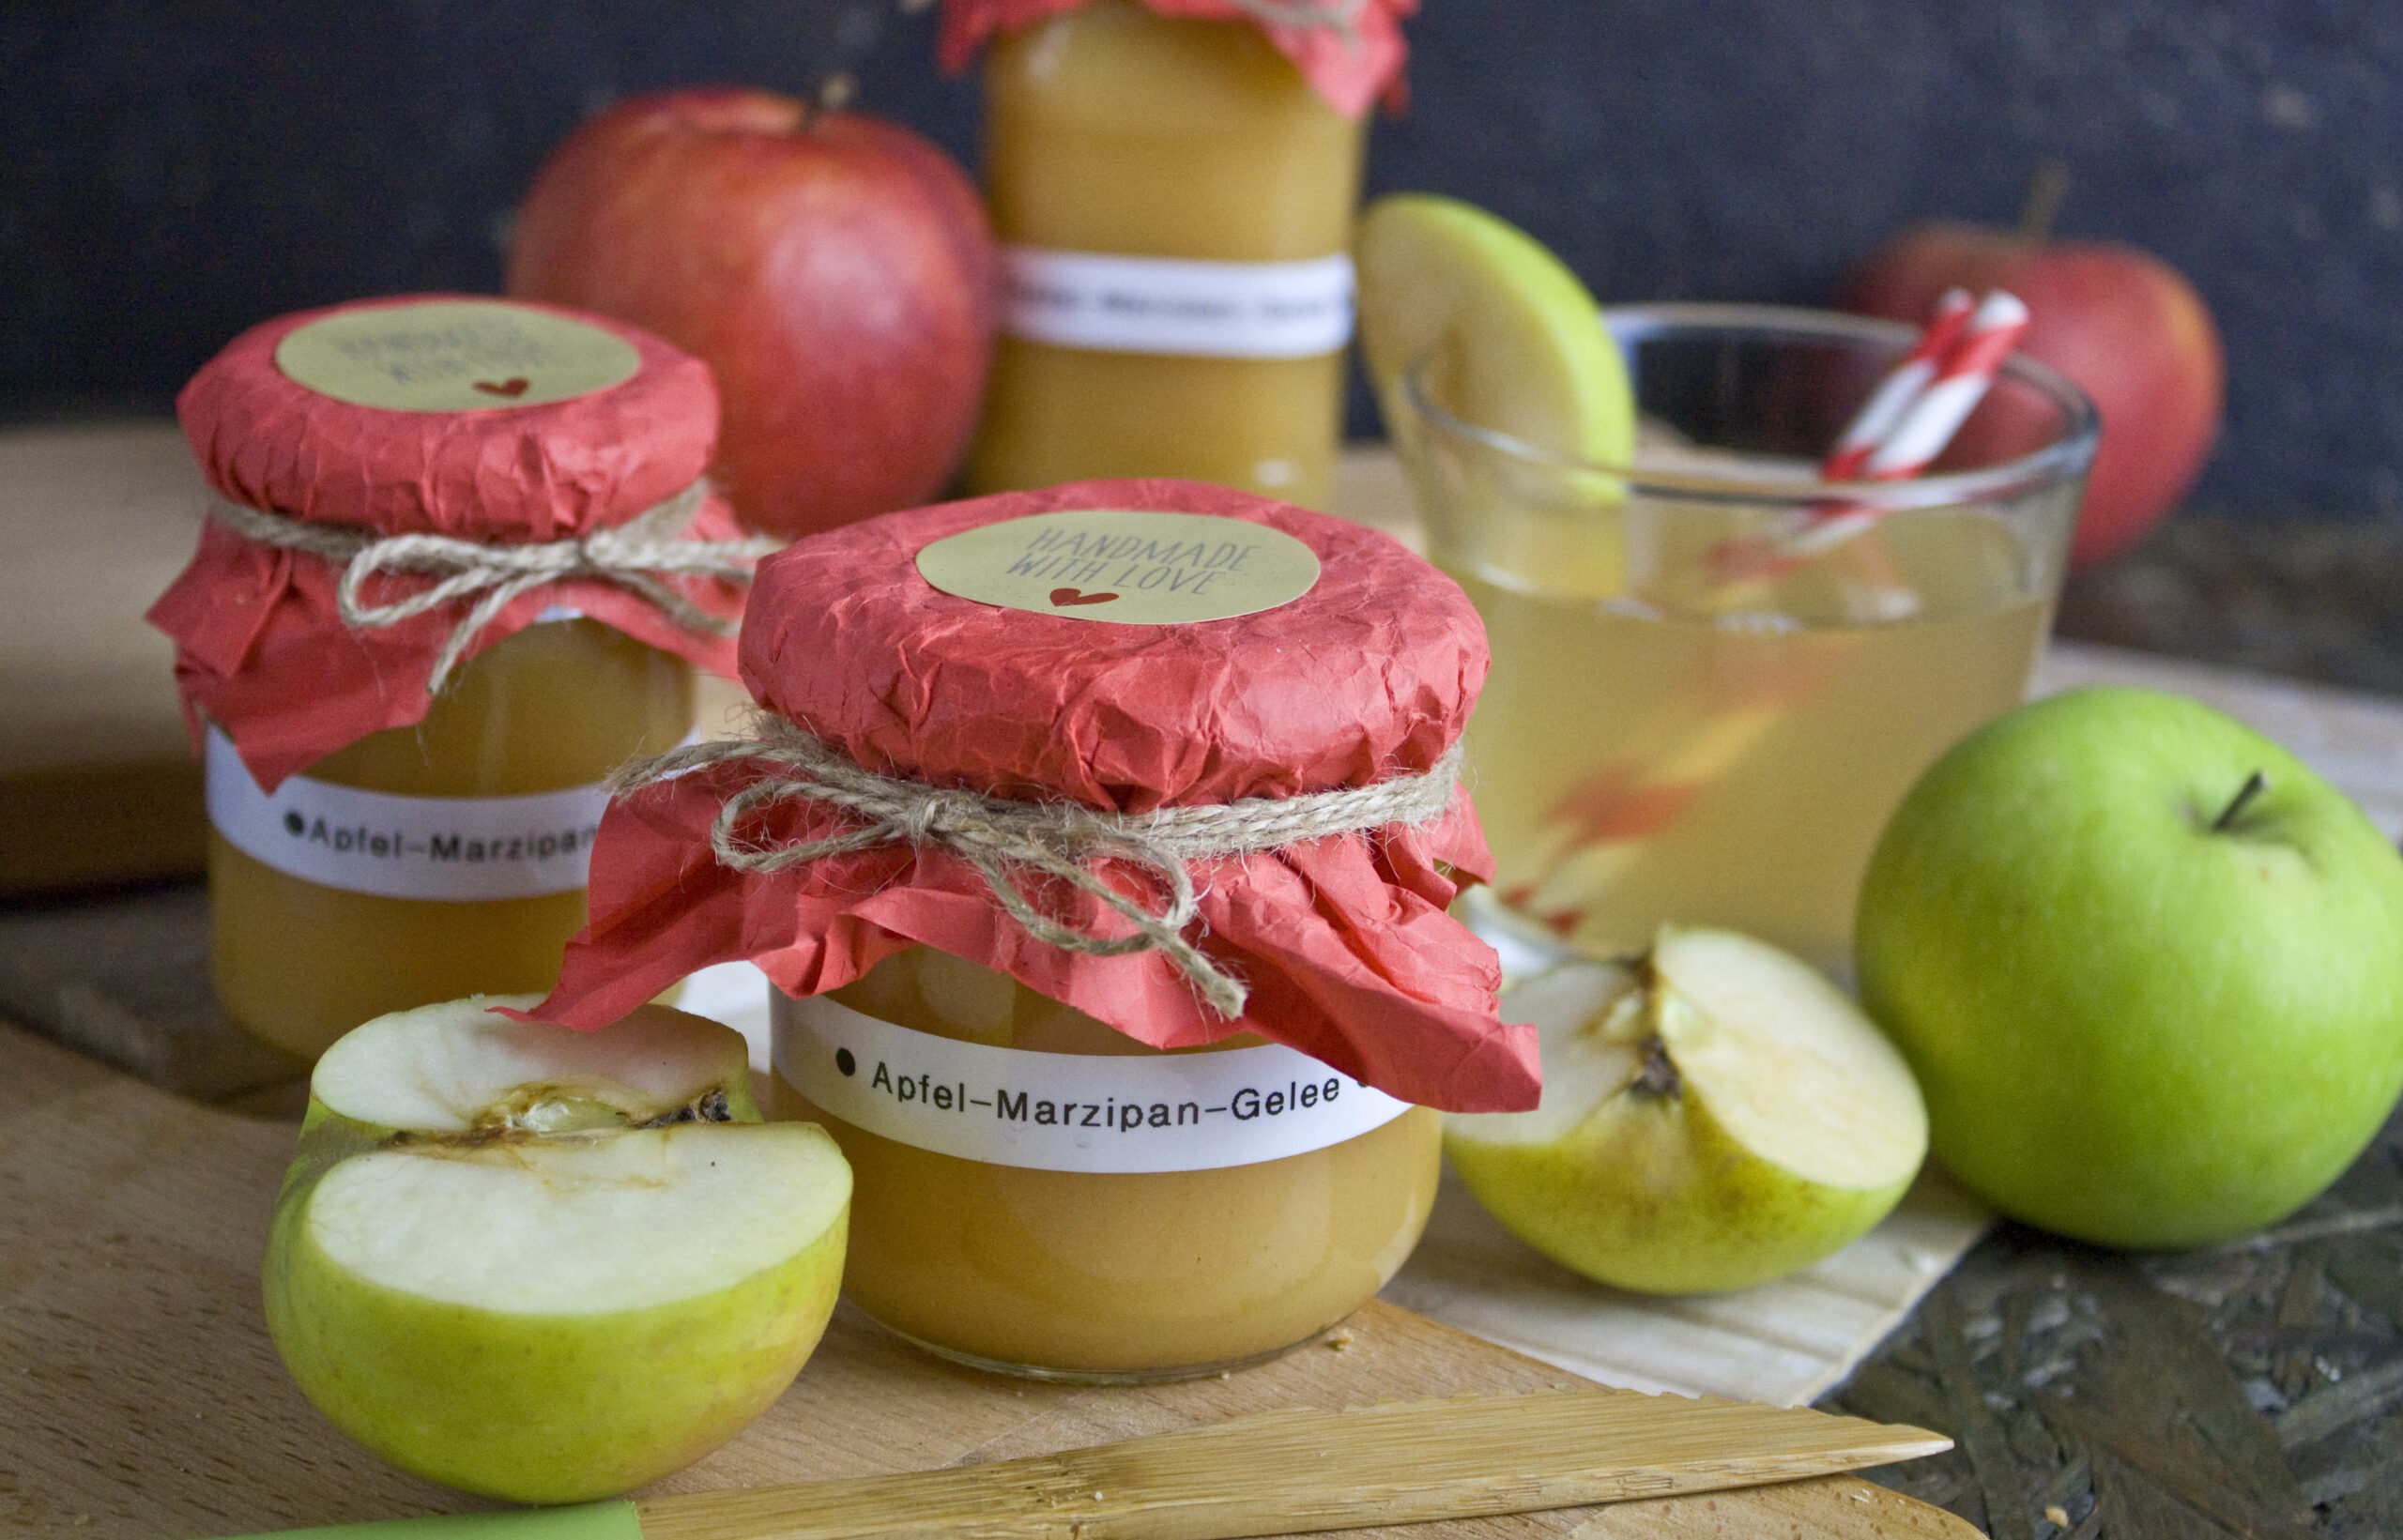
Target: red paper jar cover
<point x="1343" y="941"/>
<point x="1351" y="61"/>
<point x="261" y="648"/>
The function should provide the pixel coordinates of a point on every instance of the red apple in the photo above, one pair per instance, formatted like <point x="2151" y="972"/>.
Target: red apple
<point x="2121" y="323"/>
<point x="836" y="271"/>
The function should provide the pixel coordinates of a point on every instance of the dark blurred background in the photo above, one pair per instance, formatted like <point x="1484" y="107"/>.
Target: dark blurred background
<point x="173" y="170"/>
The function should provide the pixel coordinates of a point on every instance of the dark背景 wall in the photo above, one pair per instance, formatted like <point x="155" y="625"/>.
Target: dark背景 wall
<point x="173" y="170"/>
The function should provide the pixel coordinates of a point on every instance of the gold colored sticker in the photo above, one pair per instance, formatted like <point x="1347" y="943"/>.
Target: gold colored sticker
<point x="454" y="356"/>
<point x="1129" y="568"/>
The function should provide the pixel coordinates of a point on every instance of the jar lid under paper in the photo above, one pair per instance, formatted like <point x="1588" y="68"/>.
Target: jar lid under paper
<point x="1369" y="672"/>
<point x="1354" y="664"/>
<point x="353" y="416"/>
<point x="596" y="444"/>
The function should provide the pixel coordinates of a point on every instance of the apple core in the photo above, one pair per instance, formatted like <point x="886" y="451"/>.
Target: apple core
<point x="1716" y="1113"/>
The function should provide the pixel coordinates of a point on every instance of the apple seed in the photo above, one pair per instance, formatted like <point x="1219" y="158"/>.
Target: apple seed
<point x="547" y="1111"/>
<point x="1658" y="1079"/>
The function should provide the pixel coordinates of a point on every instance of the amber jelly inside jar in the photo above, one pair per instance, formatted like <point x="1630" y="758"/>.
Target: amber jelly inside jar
<point x="1110" y="1276"/>
<point x="556" y="707"/>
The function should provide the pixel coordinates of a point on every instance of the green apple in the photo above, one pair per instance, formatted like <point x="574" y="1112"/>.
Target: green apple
<point x="548" y="1265"/>
<point x="1505" y="335"/>
<point x="1715" y="1114"/>
<point x="2148" y="965"/>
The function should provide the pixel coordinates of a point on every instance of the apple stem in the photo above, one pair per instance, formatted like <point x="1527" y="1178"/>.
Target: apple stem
<point x="2047" y="188"/>
<point x="834" y="94"/>
<point x="2253" y="786"/>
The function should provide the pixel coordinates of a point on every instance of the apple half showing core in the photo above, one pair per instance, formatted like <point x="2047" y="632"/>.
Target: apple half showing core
<point x="548" y="1265"/>
<point x="1715" y="1114"/>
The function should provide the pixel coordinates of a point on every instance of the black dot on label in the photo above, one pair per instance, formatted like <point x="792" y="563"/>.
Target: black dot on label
<point x="845" y="1062"/>
<point x="293" y="824"/>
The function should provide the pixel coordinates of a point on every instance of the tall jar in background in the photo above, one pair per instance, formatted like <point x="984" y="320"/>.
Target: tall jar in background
<point x="1173" y="183"/>
<point x="460" y="566"/>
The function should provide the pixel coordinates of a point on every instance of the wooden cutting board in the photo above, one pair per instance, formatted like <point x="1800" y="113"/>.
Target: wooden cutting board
<point x="141" y="1398"/>
<point x="97" y="780"/>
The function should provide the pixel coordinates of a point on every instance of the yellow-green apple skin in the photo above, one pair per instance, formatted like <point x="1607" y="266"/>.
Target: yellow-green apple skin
<point x="2140" y="1019"/>
<point x="1501" y="335"/>
<point x="1722" y="1117"/>
<point x="1506" y="336"/>
<point x="539" y="1306"/>
<point x="1657" y="1199"/>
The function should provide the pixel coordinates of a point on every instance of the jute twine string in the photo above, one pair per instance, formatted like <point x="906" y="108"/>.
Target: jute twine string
<point x="1001" y="837"/>
<point x="634" y="555"/>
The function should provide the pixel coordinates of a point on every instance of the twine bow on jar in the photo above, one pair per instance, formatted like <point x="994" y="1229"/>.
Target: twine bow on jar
<point x="1060" y="840"/>
<point x="636" y="555"/>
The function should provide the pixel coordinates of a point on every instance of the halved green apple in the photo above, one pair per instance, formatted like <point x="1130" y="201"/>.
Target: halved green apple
<point x="1715" y="1114"/>
<point x="549" y="1265"/>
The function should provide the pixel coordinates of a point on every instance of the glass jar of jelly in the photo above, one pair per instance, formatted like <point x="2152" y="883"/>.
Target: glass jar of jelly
<point x="1113" y="951"/>
<point x="429" y="616"/>
<point x="1092" y="1265"/>
<point x="1175" y="195"/>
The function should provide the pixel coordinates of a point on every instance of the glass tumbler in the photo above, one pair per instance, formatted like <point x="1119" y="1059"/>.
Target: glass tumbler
<point x="1714" y="674"/>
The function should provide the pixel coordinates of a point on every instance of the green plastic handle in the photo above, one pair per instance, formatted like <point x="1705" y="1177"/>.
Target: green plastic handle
<point x="586" y="1521"/>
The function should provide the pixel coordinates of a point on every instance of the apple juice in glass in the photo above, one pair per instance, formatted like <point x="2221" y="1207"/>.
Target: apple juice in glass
<point x="1662" y="739"/>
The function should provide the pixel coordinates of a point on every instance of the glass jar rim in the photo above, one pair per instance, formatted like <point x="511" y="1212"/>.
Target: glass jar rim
<point x="2068" y="455"/>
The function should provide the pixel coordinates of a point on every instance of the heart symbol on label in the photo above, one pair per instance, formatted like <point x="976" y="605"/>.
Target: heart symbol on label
<point x="512" y="387"/>
<point x="1063" y="596"/>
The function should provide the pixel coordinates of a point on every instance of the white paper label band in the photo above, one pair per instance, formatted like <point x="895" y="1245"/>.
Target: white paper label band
<point x="1068" y="1112"/>
<point x="1220" y="309"/>
<point x="458" y="848"/>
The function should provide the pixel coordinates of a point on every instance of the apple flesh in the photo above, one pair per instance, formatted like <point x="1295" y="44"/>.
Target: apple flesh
<point x="2123" y="324"/>
<point x="2149" y="1008"/>
<point x="546" y="1265"/>
<point x="836" y="271"/>
<point x="1715" y="1115"/>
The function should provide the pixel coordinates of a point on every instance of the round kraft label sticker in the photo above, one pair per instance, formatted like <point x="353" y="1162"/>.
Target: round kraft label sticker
<point x="1123" y="565"/>
<point x="1068" y="1112"/>
<point x="454" y="356"/>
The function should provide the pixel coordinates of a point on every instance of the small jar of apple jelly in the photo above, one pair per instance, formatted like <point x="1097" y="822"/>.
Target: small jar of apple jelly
<point x="1173" y="183"/>
<point x="461" y="563"/>
<point x="1098" y="841"/>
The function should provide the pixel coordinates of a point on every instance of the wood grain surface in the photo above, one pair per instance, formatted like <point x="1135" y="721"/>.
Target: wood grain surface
<point x="97" y="780"/>
<point x="1297" y="1470"/>
<point x="2252" y="1389"/>
<point x="141" y="1398"/>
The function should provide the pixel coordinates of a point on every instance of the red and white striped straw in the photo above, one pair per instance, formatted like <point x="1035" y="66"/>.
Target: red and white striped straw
<point x="1923" y="428"/>
<point x="1921" y="408"/>
<point x="1901" y="386"/>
